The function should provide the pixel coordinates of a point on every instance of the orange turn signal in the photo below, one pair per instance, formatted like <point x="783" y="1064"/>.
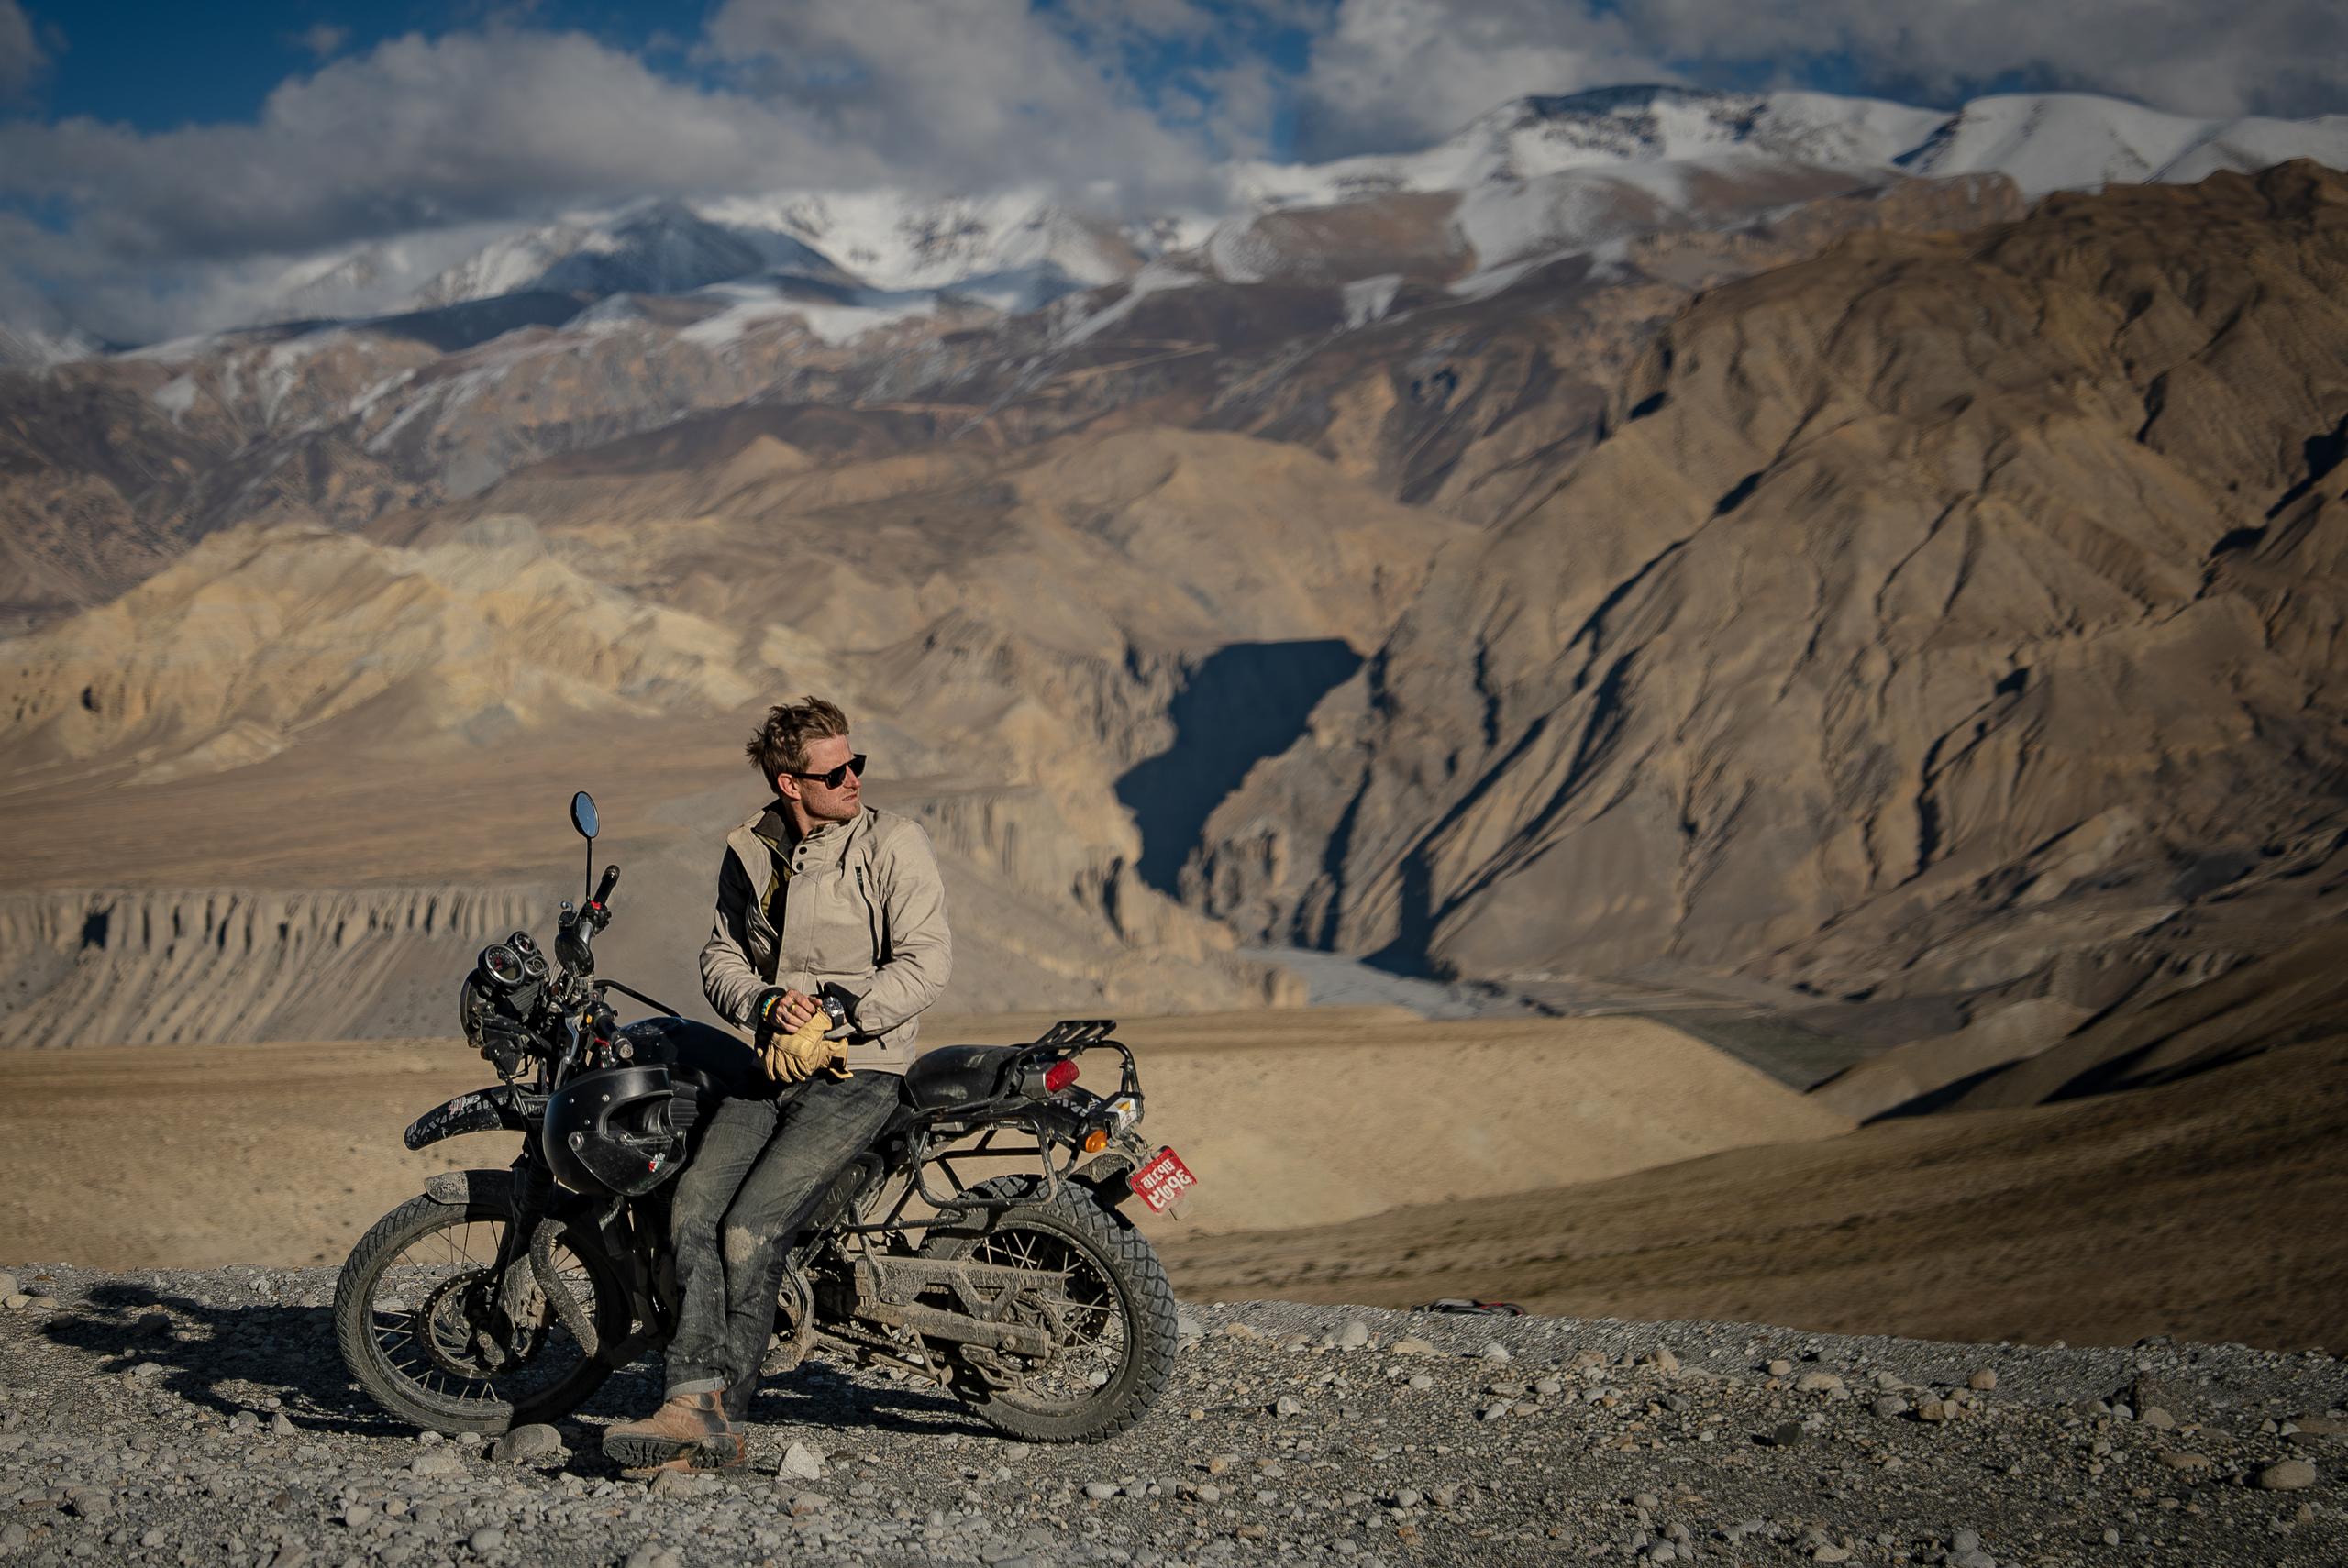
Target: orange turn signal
<point x="1096" y="1140"/>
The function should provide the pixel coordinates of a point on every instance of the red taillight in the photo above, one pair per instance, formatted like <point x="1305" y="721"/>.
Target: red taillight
<point x="1058" y="1075"/>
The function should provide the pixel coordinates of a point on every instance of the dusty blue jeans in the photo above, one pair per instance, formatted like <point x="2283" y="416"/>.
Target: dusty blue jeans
<point x="761" y="1166"/>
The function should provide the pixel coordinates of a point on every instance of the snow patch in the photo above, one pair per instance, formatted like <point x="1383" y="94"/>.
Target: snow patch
<point x="834" y="322"/>
<point x="1156" y="278"/>
<point x="176" y="397"/>
<point x="1369" y="299"/>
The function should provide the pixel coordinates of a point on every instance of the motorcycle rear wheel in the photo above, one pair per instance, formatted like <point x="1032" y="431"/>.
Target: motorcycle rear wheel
<point x="1119" y="1318"/>
<point x="407" y="1302"/>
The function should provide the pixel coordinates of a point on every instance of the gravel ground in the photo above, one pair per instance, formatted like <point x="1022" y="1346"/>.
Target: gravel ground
<point x="201" y="1417"/>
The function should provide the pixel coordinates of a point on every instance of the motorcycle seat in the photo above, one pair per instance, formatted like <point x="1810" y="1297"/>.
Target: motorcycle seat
<point x="956" y="1075"/>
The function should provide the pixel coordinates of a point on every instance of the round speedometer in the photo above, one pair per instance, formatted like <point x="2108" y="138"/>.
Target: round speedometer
<point x="502" y="964"/>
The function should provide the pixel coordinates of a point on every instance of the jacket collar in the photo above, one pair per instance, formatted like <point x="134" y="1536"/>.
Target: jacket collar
<point x="770" y="825"/>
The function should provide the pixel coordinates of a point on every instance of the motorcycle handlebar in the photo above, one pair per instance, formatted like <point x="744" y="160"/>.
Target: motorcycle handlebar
<point x="604" y="888"/>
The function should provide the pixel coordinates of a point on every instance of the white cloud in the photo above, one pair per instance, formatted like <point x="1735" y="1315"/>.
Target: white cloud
<point x="1392" y="73"/>
<point x="1134" y="100"/>
<point x="421" y="134"/>
<point x="966" y="94"/>
<point x="415" y="133"/>
<point x="1396" y="73"/>
<point x="323" y="38"/>
<point x="2212" y="58"/>
<point x="22" y="58"/>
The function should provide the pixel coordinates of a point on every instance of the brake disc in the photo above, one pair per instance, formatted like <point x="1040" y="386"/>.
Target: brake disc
<point x="458" y="1332"/>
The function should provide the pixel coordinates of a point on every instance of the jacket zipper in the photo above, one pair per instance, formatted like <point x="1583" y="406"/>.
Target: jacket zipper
<point x="871" y="919"/>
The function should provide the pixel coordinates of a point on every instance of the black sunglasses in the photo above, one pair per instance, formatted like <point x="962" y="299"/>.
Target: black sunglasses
<point x="838" y="775"/>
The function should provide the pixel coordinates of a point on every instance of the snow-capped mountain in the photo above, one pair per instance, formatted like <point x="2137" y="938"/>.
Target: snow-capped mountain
<point x="25" y="347"/>
<point x="895" y="241"/>
<point x="1014" y="251"/>
<point x="1608" y="128"/>
<point x="2044" y="142"/>
<point x="1532" y="176"/>
<point x="649" y="247"/>
<point x="2070" y="141"/>
<point x="34" y="333"/>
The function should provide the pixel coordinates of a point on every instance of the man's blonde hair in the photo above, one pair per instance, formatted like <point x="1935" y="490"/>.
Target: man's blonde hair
<point x="781" y="745"/>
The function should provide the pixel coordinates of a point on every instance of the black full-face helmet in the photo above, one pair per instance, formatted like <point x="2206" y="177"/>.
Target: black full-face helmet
<point x="611" y="1131"/>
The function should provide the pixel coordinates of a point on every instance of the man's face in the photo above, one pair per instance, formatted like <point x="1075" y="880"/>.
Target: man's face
<point x="822" y="802"/>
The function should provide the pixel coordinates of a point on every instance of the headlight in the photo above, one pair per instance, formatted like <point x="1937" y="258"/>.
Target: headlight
<point x="473" y="1007"/>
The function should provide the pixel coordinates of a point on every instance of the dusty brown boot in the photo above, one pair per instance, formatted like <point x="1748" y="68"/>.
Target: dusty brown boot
<point x="688" y="1427"/>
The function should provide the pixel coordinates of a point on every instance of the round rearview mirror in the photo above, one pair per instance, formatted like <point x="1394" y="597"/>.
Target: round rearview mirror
<point x="582" y="815"/>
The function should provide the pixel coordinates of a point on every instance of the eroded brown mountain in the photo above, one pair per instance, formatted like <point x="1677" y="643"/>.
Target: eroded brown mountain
<point x="1944" y="616"/>
<point x="1906" y="622"/>
<point x="112" y="468"/>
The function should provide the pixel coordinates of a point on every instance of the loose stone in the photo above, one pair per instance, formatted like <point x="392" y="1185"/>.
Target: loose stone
<point x="2289" y="1475"/>
<point x="526" y="1444"/>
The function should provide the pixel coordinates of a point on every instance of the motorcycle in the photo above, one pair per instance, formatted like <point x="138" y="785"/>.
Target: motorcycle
<point x="501" y="1298"/>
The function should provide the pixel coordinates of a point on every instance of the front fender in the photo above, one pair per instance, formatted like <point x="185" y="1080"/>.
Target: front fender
<point x="483" y="1110"/>
<point x="460" y="1189"/>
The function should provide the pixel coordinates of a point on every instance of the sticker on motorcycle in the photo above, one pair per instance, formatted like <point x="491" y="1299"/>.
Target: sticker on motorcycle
<point x="1163" y="1181"/>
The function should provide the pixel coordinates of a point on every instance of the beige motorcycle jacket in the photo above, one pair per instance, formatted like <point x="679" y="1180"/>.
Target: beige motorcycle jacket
<point x="858" y="902"/>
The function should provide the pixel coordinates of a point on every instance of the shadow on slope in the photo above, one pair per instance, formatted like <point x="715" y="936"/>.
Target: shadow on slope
<point x="2208" y="1208"/>
<point x="1244" y="703"/>
<point x="2285" y="998"/>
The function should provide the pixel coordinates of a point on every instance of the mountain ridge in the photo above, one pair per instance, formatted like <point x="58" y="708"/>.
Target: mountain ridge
<point x="907" y="241"/>
<point x="1940" y="615"/>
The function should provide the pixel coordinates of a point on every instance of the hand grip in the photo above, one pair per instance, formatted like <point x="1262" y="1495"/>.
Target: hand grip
<point x="604" y="888"/>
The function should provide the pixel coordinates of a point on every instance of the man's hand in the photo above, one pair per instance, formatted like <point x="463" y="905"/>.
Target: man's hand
<point x="781" y="1010"/>
<point x="793" y="1009"/>
<point x="789" y="1058"/>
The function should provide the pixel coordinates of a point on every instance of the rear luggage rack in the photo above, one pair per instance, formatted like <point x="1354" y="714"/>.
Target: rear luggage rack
<point x="1076" y="1032"/>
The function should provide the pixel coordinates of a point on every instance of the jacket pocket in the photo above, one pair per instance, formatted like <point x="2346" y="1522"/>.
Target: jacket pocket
<point x="842" y="934"/>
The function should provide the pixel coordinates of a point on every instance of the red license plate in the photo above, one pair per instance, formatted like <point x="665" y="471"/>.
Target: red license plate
<point x="1163" y="1181"/>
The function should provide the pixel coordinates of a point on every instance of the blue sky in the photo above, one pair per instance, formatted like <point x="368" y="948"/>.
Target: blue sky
<point x="156" y="66"/>
<point x="161" y="162"/>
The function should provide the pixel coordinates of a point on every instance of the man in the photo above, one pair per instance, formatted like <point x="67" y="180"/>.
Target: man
<point x="817" y="888"/>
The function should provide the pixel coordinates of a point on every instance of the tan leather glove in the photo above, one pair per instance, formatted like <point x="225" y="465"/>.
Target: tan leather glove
<point x="789" y="1058"/>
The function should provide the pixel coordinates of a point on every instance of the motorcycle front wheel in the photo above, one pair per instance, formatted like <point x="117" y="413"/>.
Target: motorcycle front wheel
<point x="1114" y="1324"/>
<point x="421" y="1325"/>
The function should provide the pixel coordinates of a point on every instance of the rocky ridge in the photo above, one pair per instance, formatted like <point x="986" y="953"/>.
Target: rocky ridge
<point x="179" y="1418"/>
<point x="1943" y="616"/>
<point x="1026" y="541"/>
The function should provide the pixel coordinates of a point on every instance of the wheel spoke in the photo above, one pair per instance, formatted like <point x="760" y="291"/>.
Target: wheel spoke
<point x="1083" y="1310"/>
<point x="426" y="1309"/>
